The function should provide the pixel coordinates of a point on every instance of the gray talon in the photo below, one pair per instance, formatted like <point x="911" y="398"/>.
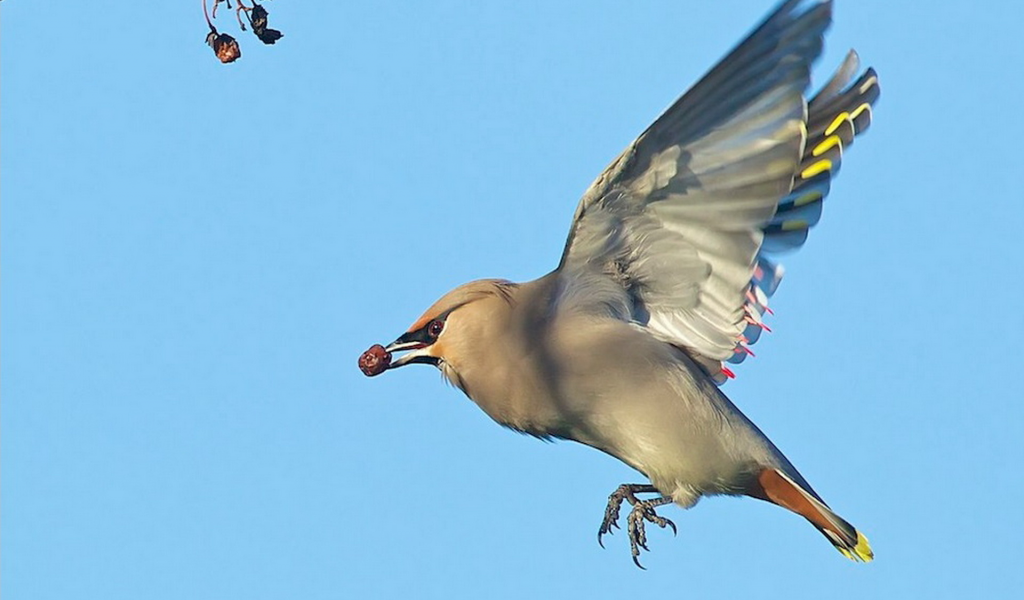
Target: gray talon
<point x="643" y="510"/>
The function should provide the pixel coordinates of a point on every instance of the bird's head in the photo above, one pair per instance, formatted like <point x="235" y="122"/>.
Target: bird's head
<point x="450" y="330"/>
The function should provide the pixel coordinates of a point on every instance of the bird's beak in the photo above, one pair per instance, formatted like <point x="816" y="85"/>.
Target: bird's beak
<point x="418" y="351"/>
<point x="377" y="358"/>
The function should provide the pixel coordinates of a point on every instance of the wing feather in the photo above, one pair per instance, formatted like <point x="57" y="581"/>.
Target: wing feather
<point x="686" y="220"/>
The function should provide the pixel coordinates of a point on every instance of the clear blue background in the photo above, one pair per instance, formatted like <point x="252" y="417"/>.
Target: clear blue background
<point x="194" y="255"/>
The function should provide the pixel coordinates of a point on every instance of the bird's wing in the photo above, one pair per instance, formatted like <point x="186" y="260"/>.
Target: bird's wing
<point x="686" y="220"/>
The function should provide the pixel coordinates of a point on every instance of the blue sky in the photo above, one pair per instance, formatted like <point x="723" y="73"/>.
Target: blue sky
<point x="194" y="255"/>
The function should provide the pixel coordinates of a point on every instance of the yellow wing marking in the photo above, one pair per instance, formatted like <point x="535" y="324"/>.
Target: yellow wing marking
<point x="867" y="84"/>
<point x="860" y="109"/>
<point x="807" y="198"/>
<point x="830" y="142"/>
<point x="818" y="167"/>
<point x="843" y="116"/>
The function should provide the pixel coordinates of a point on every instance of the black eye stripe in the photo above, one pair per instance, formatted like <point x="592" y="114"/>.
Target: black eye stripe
<point x="422" y="335"/>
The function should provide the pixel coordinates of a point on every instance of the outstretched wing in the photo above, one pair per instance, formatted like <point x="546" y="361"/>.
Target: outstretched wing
<point x="686" y="220"/>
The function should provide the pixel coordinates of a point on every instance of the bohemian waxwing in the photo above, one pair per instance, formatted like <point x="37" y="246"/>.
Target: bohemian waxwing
<point x="664" y="278"/>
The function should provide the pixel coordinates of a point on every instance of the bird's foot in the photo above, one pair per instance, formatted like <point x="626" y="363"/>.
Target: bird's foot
<point x="644" y="511"/>
<point x="628" y="492"/>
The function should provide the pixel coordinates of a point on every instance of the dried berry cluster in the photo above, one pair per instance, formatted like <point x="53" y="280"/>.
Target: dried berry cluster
<point x="226" y="47"/>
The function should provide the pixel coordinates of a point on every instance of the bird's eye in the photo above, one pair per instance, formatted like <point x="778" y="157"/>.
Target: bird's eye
<point x="435" y="328"/>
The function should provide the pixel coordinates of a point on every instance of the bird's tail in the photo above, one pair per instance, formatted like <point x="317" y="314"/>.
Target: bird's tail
<point x="778" y="488"/>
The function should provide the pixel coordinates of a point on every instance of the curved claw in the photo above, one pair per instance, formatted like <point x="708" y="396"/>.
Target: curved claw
<point x="606" y="527"/>
<point x="611" y="517"/>
<point x="641" y="513"/>
<point x="675" y="532"/>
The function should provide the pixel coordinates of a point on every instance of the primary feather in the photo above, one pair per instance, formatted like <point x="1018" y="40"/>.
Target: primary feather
<point x="687" y="220"/>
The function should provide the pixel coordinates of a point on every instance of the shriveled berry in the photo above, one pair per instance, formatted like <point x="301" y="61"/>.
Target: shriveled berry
<point x="374" y="361"/>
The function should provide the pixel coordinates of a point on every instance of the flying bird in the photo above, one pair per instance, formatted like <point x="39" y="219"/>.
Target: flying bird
<point x="665" y="277"/>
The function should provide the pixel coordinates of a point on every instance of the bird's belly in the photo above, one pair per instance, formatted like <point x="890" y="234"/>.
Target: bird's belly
<point x="684" y="456"/>
<point x="657" y="412"/>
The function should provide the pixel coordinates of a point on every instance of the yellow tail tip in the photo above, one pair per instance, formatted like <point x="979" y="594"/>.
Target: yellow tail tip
<point x="861" y="552"/>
